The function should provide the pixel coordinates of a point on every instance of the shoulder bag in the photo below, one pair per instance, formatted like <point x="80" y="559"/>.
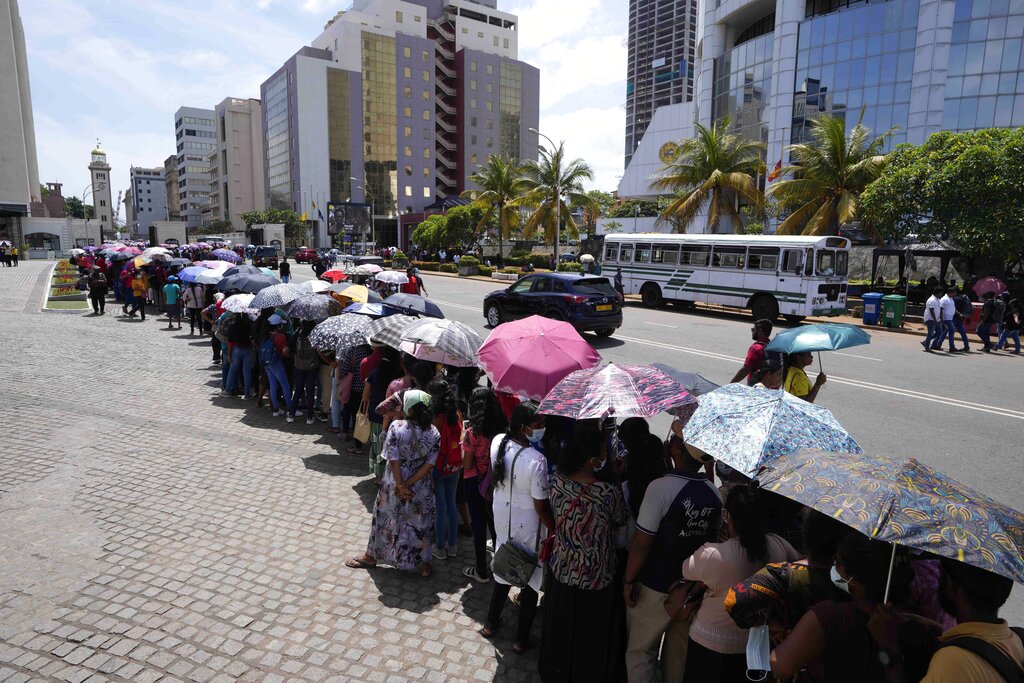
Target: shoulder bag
<point x="361" y="433"/>
<point x="512" y="563"/>
<point x="547" y="546"/>
<point x="684" y="598"/>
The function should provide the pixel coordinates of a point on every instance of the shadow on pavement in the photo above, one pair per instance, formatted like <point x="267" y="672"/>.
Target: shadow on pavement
<point x="604" y="342"/>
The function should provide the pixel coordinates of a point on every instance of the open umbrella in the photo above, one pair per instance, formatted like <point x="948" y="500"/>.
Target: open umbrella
<point x="134" y="251"/>
<point x="223" y="267"/>
<point x="120" y="256"/>
<point x="277" y="295"/>
<point x="376" y="310"/>
<point x="413" y="304"/>
<point x="747" y="427"/>
<point x="358" y="293"/>
<point x="368" y="269"/>
<point x="141" y="261"/>
<point x="819" y="337"/>
<point x="157" y="253"/>
<point x="904" y="502"/>
<point x="191" y="274"/>
<point x="326" y="336"/>
<point x="389" y="330"/>
<point x="696" y="384"/>
<point x="315" y="286"/>
<point x="209" y="277"/>
<point x="615" y="390"/>
<point x="312" y="307"/>
<point x="177" y="262"/>
<point x="227" y="255"/>
<point x="392" y="277"/>
<point x="442" y="341"/>
<point x="528" y="357"/>
<point x="334" y="275"/>
<point x="237" y="303"/>
<point x="246" y="283"/>
<point x="76" y="252"/>
<point x="989" y="284"/>
<point x="238" y="270"/>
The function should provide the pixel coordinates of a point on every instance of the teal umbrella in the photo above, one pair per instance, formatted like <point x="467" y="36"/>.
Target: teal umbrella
<point x="819" y="337"/>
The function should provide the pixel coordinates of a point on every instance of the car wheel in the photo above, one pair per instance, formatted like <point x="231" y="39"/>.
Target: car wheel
<point x="605" y="332"/>
<point x="764" y="306"/>
<point x="650" y="295"/>
<point x="493" y="315"/>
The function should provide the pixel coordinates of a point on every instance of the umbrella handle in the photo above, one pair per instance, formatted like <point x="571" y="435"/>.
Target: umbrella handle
<point x="888" y="580"/>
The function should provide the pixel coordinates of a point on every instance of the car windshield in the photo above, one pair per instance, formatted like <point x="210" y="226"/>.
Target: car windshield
<point x="266" y="251"/>
<point x="595" y="285"/>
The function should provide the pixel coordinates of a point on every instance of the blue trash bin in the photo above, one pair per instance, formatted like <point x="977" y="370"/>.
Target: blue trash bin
<point x="872" y="307"/>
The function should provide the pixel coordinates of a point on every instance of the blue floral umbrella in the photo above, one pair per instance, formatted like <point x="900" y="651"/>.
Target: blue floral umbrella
<point x="748" y="427"/>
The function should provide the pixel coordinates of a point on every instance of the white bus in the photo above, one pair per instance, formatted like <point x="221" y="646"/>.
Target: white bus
<point x="795" y="276"/>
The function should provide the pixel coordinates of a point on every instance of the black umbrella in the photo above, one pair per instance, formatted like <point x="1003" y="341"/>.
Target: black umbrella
<point x="696" y="384"/>
<point x="180" y="262"/>
<point x="243" y="270"/>
<point x="247" y="283"/>
<point x="413" y="304"/>
<point x="120" y="256"/>
<point x="313" y="307"/>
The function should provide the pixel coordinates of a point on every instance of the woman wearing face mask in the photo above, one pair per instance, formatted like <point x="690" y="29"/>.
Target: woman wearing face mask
<point x="520" y="506"/>
<point x="582" y="637"/>
<point x="832" y="642"/>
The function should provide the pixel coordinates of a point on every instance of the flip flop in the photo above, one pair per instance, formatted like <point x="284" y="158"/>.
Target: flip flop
<point x="523" y="648"/>
<point x="357" y="563"/>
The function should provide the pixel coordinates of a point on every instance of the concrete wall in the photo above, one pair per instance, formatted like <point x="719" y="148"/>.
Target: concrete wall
<point x="240" y="145"/>
<point x="19" y="166"/>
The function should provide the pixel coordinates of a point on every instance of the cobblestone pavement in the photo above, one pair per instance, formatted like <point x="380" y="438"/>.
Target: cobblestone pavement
<point x="151" y="531"/>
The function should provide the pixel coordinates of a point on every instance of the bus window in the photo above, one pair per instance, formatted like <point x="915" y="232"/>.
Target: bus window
<point x="826" y="262"/>
<point x="793" y="263"/>
<point x="809" y="262"/>
<point x="611" y="252"/>
<point x="842" y="263"/>
<point x="643" y="253"/>
<point x="626" y="255"/>
<point x="763" y="258"/>
<point x="657" y="253"/>
<point x="694" y="254"/>
<point x="670" y="254"/>
<point x="728" y="257"/>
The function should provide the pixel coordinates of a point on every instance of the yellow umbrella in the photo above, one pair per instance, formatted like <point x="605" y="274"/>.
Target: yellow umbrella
<point x="357" y="293"/>
<point x="142" y="261"/>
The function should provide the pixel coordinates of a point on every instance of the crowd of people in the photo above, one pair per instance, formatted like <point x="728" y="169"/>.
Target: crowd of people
<point x="644" y="560"/>
<point x="8" y="255"/>
<point x="1002" y="318"/>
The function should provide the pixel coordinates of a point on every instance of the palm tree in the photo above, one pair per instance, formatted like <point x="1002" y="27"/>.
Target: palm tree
<point x="501" y="182"/>
<point x="713" y="168"/>
<point x="831" y="171"/>
<point x="551" y="185"/>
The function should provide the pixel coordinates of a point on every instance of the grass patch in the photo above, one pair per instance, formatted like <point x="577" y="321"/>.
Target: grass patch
<point x="67" y="305"/>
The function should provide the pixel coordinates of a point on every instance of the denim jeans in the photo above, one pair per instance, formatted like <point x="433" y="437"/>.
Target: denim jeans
<point x="447" y="527"/>
<point x="1006" y="335"/>
<point x="305" y="382"/>
<point x="278" y="377"/>
<point x="241" y="362"/>
<point x="958" y="325"/>
<point x="985" y="335"/>
<point x="932" y="333"/>
<point x="945" y="329"/>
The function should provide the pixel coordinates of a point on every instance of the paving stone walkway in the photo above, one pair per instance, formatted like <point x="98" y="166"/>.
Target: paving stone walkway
<point x="150" y="531"/>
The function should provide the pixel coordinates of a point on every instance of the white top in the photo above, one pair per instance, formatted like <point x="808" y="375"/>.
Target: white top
<point x="948" y="307"/>
<point x="515" y="496"/>
<point x="932" y="310"/>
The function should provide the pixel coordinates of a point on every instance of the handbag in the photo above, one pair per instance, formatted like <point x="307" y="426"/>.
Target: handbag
<point x="547" y="546"/>
<point x="361" y="433"/>
<point x="511" y="563"/>
<point x="684" y="598"/>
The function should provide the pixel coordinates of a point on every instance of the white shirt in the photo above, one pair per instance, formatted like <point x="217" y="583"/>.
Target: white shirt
<point x="948" y="307"/>
<point x="513" y="500"/>
<point x="932" y="310"/>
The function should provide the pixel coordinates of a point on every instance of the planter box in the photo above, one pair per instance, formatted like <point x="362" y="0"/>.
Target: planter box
<point x="69" y="297"/>
<point x="510" y="277"/>
<point x="466" y="271"/>
<point x="400" y="263"/>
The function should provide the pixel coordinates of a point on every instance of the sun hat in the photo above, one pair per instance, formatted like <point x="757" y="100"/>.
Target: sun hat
<point x="414" y="397"/>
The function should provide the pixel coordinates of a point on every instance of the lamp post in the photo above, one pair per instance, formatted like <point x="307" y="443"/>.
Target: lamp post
<point x="373" y="211"/>
<point x="558" y="198"/>
<point x="85" y="193"/>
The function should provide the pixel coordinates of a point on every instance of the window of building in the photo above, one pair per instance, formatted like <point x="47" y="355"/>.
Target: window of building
<point x="472" y="158"/>
<point x="426" y="193"/>
<point x="496" y="41"/>
<point x="103" y="218"/>
<point x="408" y="170"/>
<point x="490" y="69"/>
<point x="490" y="124"/>
<point x="465" y="31"/>
<point x="426" y="57"/>
<point x="472" y="84"/>
<point x="407" y="130"/>
<point x="407" y="71"/>
<point x="426" y="75"/>
<point x="408" y="191"/>
<point x="506" y="43"/>
<point x="472" y="121"/>
<point x="490" y="106"/>
<point x="407" y="52"/>
<point x="426" y="95"/>
<point x="472" y="66"/>
<point x="407" y="92"/>
<point x="417" y="19"/>
<point x="103" y="202"/>
<point x="408" y="151"/>
<point x="407" y="111"/>
<point x="426" y="153"/>
<point x="472" y="103"/>
<point x="490" y="87"/>
<point x="472" y="139"/>
<point x="399" y="17"/>
<point x="426" y="114"/>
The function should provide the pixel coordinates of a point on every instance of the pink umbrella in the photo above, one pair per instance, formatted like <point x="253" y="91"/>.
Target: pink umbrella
<point x="615" y="390"/>
<point x="528" y="357"/>
<point x="135" y="251"/>
<point x="214" y="265"/>
<point x="989" y="284"/>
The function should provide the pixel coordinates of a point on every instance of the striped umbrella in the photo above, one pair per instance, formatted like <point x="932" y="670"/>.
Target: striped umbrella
<point x="442" y="341"/>
<point x="389" y="330"/>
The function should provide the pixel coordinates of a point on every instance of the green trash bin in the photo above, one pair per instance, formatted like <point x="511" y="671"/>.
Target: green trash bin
<point x="894" y="307"/>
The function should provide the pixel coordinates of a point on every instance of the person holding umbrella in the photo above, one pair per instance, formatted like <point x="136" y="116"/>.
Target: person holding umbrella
<point x="797" y="382"/>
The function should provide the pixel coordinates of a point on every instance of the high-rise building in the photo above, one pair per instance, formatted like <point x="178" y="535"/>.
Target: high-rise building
<point x="103" y="206"/>
<point x="916" y="66"/>
<point x="149" y="198"/>
<point x="171" y="197"/>
<point x="195" y="131"/>
<point x="19" y="166"/>
<point x="237" y="175"/>
<point x="394" y="105"/>
<point x="659" y="67"/>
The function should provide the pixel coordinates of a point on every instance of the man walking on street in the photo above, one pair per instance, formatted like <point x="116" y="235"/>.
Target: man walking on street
<point x="14" y="255"/>
<point x="171" y="293"/>
<point x="761" y="332"/>
<point x="947" y="310"/>
<point x="285" y="270"/>
<point x="988" y="319"/>
<point x="964" y="311"/>
<point x="932" y="319"/>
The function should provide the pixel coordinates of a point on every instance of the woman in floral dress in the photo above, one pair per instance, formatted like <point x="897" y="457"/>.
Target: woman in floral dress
<point x="402" y="531"/>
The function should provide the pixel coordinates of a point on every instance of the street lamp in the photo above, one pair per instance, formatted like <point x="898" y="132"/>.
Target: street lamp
<point x="558" y="198"/>
<point x="85" y="193"/>
<point x="373" y="211"/>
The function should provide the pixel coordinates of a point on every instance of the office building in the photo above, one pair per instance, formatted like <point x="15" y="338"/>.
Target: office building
<point x="19" y="166"/>
<point x="149" y="198"/>
<point x="195" y="132"/>
<point x="772" y="66"/>
<point x="659" y="67"/>
<point x="236" y="165"/>
<point x="394" y="105"/>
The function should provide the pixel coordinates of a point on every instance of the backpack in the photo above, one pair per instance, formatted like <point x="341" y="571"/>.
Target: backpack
<point x="1007" y="668"/>
<point x="268" y="353"/>
<point x="233" y="329"/>
<point x="449" y="455"/>
<point x="305" y="355"/>
<point x="988" y="312"/>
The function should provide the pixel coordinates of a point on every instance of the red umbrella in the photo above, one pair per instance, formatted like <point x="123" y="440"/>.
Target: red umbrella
<point x="528" y="357"/>
<point x="989" y="284"/>
<point x="334" y="275"/>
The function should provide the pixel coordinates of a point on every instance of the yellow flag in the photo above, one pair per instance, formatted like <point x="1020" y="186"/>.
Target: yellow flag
<point x="303" y="217"/>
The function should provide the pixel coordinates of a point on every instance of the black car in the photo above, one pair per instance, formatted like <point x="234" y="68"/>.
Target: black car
<point x="587" y="302"/>
<point x="265" y="256"/>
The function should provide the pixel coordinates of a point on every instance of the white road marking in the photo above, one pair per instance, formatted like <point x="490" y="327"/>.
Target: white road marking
<point x="672" y="327"/>
<point x="853" y="355"/>
<point x="455" y="305"/>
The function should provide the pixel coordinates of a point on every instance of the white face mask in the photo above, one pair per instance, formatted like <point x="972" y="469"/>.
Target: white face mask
<point x="600" y="466"/>
<point x="759" y="653"/>
<point x="838" y="581"/>
<point x="536" y="435"/>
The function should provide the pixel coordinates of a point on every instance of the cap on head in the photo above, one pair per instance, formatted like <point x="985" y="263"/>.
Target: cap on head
<point x="413" y="398"/>
<point x="275" y="320"/>
<point x="172" y="279"/>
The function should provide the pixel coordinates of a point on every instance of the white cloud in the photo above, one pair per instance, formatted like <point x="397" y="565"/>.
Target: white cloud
<point x="594" y="135"/>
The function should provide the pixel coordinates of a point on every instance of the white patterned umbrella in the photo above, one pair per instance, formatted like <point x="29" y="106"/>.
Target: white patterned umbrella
<point x="277" y="295"/>
<point x="392" y="277"/>
<point x="442" y="341"/>
<point x="315" y="286"/>
<point x="239" y="303"/>
<point x="326" y="336"/>
<point x="208" y="277"/>
<point x="389" y="330"/>
<point x="313" y="307"/>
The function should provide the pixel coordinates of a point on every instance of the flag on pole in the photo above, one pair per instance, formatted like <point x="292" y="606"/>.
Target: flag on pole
<point x="776" y="172"/>
<point x="320" y="214"/>
<point x="303" y="217"/>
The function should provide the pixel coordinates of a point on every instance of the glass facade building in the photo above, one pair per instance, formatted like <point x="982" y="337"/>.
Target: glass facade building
<point x="743" y="80"/>
<point x="275" y="126"/>
<point x="510" y="104"/>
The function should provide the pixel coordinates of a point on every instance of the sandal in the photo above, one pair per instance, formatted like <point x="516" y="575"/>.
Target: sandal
<point x="489" y="631"/>
<point x="360" y="563"/>
<point x="426" y="570"/>
<point x="523" y="648"/>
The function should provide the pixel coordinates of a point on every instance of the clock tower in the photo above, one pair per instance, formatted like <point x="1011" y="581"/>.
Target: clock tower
<point x="103" y="209"/>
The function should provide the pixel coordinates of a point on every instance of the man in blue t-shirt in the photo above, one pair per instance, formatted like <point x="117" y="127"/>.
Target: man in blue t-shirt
<point x="680" y="512"/>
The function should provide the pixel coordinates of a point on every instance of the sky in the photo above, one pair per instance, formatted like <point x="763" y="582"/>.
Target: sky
<point x="117" y="70"/>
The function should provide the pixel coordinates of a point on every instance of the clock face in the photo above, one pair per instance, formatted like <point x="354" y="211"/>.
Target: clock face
<point x="668" y="153"/>
<point x="101" y="186"/>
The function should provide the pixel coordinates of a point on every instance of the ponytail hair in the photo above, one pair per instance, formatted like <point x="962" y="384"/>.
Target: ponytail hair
<point x="522" y="416"/>
<point x="420" y="416"/>
<point x="747" y="515"/>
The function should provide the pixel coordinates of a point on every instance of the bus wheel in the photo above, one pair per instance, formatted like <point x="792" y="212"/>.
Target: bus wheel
<point x="650" y="295"/>
<point x="794" y="319"/>
<point x="764" y="306"/>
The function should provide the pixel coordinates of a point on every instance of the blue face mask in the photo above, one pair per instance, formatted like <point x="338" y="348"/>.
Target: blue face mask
<point x="536" y="435"/>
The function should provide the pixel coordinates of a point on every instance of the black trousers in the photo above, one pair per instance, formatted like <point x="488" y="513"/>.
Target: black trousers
<point x="195" y="320"/>
<point x="527" y="609"/>
<point x="215" y="343"/>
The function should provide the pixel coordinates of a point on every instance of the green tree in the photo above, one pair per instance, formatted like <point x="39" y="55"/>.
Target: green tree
<point x="551" y="185"/>
<point x="74" y="208"/>
<point x="603" y="203"/>
<point x="219" y="226"/>
<point x="831" y="172"/>
<point x="712" y="170"/>
<point x="294" y="229"/>
<point x="967" y="187"/>
<point x="501" y="183"/>
<point x="612" y="227"/>
<point x="430" y="233"/>
<point x="635" y="208"/>
<point x="463" y="230"/>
